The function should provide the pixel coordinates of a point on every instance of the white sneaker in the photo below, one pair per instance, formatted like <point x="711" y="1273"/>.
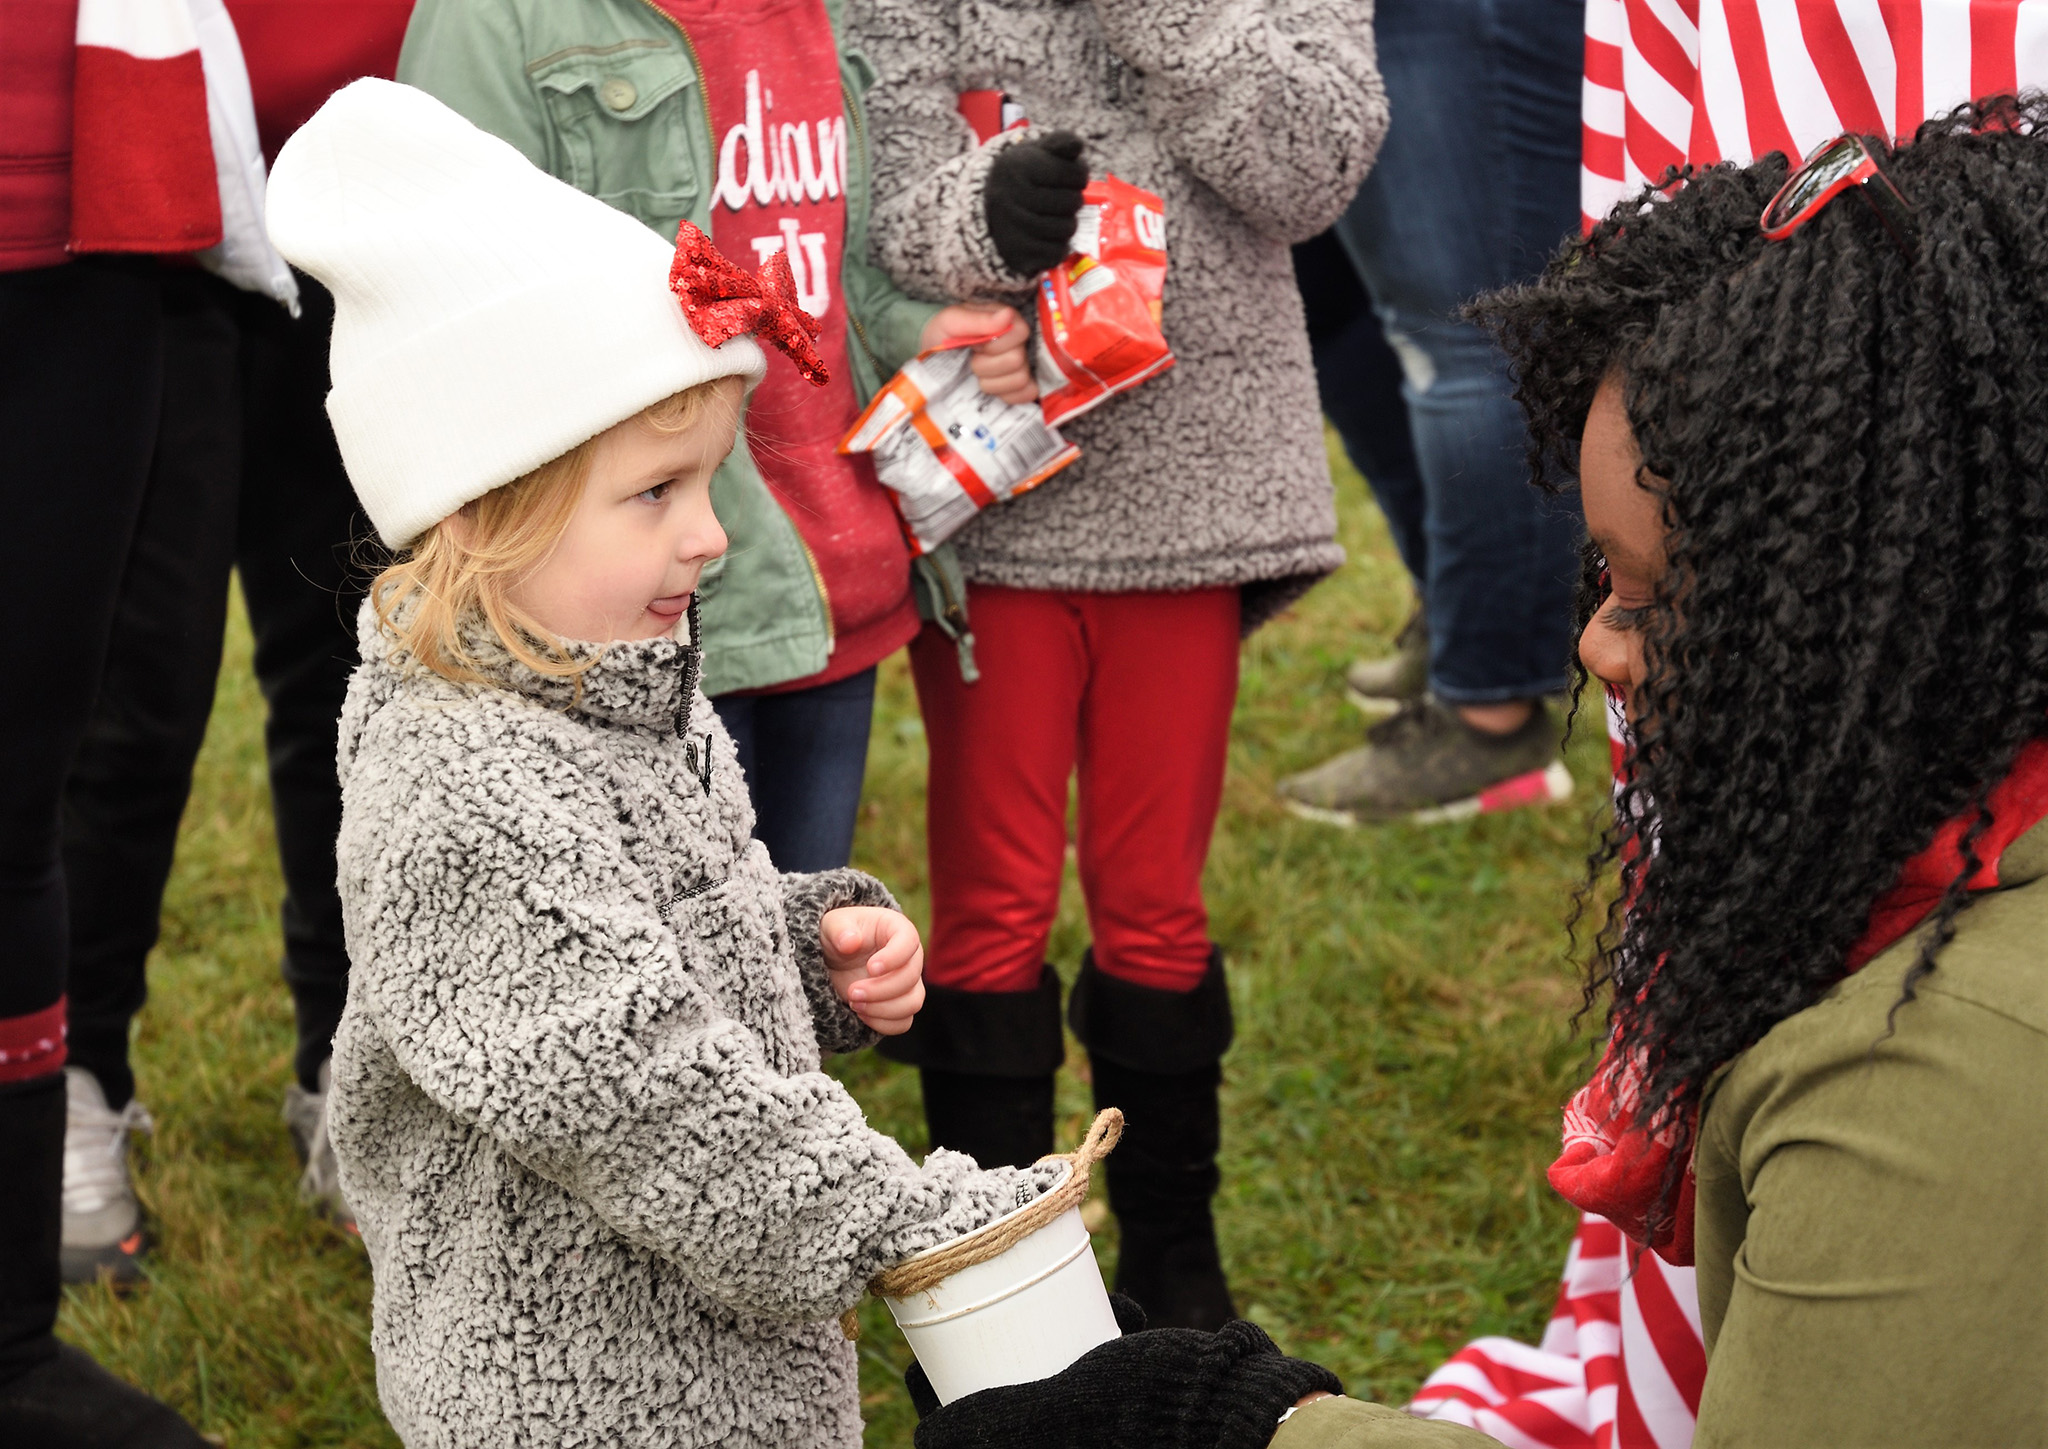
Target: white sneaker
<point x="305" y="1113"/>
<point x="103" y="1236"/>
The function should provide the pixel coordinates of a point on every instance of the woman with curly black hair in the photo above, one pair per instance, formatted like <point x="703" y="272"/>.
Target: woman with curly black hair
<point x="1813" y="454"/>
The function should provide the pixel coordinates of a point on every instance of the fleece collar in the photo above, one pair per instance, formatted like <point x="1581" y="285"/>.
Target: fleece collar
<point x="641" y="683"/>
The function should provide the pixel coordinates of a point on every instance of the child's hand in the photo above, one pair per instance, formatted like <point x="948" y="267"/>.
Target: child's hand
<point x="876" y="964"/>
<point x="1001" y="363"/>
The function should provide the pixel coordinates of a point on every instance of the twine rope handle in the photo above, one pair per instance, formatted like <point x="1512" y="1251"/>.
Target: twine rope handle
<point x="927" y="1270"/>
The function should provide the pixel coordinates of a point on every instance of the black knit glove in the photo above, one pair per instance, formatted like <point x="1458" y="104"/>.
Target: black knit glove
<point x="1031" y="196"/>
<point x="1170" y="1388"/>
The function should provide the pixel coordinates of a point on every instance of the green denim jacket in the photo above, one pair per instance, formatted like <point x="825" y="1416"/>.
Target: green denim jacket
<point x="606" y="95"/>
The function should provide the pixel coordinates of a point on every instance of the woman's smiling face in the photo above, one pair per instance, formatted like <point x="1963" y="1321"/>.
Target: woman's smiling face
<point x="1625" y="520"/>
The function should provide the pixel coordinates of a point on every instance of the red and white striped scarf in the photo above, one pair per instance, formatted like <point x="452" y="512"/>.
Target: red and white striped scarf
<point x="1622" y="1363"/>
<point x="164" y="153"/>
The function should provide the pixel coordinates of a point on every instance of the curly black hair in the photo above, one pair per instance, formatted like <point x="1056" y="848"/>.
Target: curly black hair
<point x="1850" y="643"/>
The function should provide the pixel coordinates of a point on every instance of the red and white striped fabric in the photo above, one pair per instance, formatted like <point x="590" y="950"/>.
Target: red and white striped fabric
<point x="165" y="158"/>
<point x="1616" y="714"/>
<point x="1620" y="1365"/>
<point x="1622" y="1361"/>
<point x="142" y="168"/>
<point x="1675" y="81"/>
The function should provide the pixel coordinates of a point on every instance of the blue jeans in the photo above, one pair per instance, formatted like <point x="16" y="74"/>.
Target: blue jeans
<point x="1358" y="383"/>
<point x="1476" y="185"/>
<point x="805" y="753"/>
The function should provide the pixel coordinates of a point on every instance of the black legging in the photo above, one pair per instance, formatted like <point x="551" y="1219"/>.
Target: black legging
<point x="247" y="477"/>
<point x="80" y="376"/>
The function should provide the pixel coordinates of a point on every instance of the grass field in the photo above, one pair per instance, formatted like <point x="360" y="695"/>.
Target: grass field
<point x="1402" y="1007"/>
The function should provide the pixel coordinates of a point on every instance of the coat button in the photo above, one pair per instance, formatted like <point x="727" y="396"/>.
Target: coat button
<point x="617" y="92"/>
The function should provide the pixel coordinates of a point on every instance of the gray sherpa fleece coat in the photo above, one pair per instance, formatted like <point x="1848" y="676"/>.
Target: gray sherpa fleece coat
<point x="1254" y="120"/>
<point x="608" y="1196"/>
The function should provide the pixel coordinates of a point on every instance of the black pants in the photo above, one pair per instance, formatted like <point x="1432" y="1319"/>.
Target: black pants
<point x="245" y="477"/>
<point x="81" y="369"/>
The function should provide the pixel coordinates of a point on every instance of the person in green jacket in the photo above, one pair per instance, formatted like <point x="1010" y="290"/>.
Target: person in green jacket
<point x="747" y="121"/>
<point x="1808" y="420"/>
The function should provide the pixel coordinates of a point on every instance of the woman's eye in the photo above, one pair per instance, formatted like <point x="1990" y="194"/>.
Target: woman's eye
<point x="655" y="494"/>
<point x="1627" y="621"/>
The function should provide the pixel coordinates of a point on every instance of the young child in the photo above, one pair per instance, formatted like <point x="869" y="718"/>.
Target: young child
<point x="745" y="120"/>
<point x="1108" y="604"/>
<point x="608" y="1196"/>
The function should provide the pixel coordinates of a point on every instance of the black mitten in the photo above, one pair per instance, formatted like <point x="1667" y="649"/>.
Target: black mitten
<point x="1031" y="196"/>
<point x="1130" y="1318"/>
<point x="1172" y="1388"/>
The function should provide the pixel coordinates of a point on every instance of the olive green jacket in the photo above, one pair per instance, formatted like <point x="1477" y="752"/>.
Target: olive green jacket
<point x="1872" y="1228"/>
<point x="1872" y="1221"/>
<point x="606" y="95"/>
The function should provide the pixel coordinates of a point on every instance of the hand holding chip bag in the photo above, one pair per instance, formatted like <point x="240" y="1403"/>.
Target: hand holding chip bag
<point x="1098" y="311"/>
<point x="946" y="449"/>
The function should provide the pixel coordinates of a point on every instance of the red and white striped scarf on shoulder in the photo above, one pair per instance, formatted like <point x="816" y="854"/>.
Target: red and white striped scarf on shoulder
<point x="1611" y="1166"/>
<point x="164" y="155"/>
<point x="1622" y="1364"/>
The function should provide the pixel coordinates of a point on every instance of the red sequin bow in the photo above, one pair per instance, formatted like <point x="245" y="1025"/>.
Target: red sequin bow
<point x="722" y="302"/>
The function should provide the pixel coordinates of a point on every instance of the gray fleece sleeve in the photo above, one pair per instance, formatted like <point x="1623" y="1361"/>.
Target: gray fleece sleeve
<point x="531" y="991"/>
<point x="928" y="231"/>
<point x="805" y="900"/>
<point x="1276" y="104"/>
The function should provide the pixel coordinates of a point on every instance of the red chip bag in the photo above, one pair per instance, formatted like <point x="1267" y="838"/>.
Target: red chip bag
<point x="1098" y="311"/>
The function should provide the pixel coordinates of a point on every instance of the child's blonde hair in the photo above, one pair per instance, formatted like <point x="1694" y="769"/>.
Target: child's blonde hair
<point x="511" y="531"/>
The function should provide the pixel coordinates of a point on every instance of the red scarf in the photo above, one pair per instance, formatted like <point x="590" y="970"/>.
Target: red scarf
<point x="1612" y="1168"/>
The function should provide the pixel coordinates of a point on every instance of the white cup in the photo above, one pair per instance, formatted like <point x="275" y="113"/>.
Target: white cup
<point x="1025" y="1314"/>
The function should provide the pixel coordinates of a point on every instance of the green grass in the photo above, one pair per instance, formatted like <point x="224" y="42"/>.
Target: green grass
<point x="1390" y="1104"/>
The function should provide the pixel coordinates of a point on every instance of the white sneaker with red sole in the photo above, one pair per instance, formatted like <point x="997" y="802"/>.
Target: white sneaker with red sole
<point x="103" y="1233"/>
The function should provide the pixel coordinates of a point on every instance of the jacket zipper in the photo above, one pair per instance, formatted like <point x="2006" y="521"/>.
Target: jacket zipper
<point x="703" y="100"/>
<point x="861" y="333"/>
<point x="824" y="594"/>
<point x="951" y="618"/>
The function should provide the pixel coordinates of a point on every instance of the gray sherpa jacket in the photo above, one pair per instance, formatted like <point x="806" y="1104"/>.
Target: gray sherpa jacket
<point x="1254" y="120"/>
<point x="608" y="1195"/>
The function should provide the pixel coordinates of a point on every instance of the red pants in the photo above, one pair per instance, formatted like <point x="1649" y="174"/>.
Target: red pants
<point x="1135" y="690"/>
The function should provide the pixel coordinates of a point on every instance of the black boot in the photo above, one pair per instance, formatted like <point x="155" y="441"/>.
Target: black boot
<point x="997" y="1121"/>
<point x="987" y="1060"/>
<point x="1155" y="1055"/>
<point x="51" y="1395"/>
<point x="70" y="1402"/>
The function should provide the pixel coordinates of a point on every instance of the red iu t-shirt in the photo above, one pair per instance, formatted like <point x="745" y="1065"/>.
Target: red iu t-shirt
<point x="771" y="76"/>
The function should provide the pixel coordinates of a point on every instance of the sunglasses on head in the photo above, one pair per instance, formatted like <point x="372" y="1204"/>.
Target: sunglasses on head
<point x="1846" y="163"/>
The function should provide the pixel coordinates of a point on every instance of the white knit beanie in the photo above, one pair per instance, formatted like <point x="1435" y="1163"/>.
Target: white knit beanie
<point x="487" y="317"/>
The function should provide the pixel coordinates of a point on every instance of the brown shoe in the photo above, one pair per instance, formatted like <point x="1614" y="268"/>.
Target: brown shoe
<point x="1427" y="765"/>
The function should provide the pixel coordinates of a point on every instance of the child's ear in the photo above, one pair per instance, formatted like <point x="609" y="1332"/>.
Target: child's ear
<point x="461" y="524"/>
